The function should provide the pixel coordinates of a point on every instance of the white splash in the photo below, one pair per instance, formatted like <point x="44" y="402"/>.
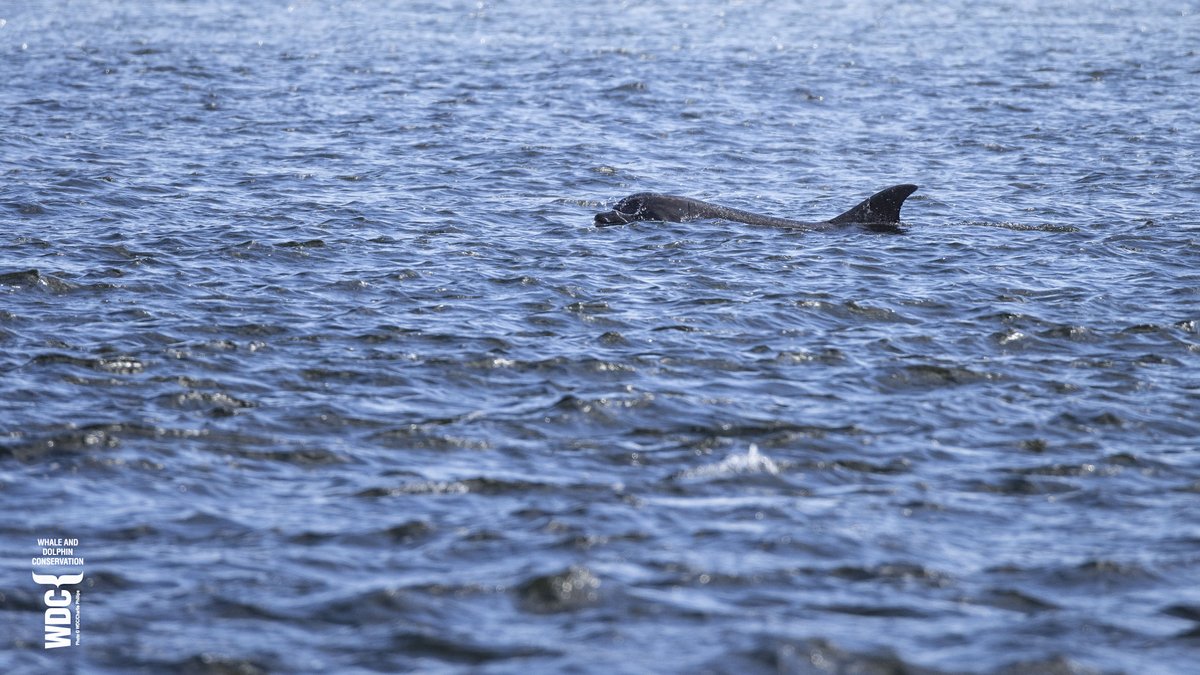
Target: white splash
<point x="752" y="461"/>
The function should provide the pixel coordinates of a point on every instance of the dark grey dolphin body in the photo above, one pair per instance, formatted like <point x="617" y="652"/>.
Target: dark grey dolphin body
<point x="879" y="211"/>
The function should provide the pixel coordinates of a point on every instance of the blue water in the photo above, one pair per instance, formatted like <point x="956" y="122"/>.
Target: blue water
<point x="307" y="336"/>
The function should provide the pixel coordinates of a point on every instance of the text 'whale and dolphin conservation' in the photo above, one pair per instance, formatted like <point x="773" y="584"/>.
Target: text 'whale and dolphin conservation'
<point x="880" y="211"/>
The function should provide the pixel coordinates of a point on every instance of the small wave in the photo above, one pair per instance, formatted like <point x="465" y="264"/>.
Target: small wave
<point x="929" y="376"/>
<point x="1023" y="227"/>
<point x="751" y="461"/>
<point x="35" y="279"/>
<point x="118" y="365"/>
<point x="569" y="590"/>
<point x="483" y="486"/>
<point x="310" y="243"/>
<point x="820" y="655"/>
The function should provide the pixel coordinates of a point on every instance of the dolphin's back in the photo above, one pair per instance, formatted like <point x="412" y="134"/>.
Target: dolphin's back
<point x="880" y="211"/>
<point x="740" y="216"/>
<point x="881" y="208"/>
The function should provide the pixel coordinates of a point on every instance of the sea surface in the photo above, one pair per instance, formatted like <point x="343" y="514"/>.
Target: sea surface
<point x="307" y="336"/>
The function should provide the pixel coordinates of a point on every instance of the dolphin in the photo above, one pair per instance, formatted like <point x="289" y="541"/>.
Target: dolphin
<point x="880" y="211"/>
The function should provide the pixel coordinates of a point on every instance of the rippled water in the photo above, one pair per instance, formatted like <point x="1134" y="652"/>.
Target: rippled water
<point x="308" y="338"/>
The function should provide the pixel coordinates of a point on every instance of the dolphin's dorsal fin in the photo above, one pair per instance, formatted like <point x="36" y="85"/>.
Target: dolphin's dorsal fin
<point x="881" y="207"/>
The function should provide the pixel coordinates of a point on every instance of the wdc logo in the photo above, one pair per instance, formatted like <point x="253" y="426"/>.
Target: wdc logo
<point x="62" y="608"/>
